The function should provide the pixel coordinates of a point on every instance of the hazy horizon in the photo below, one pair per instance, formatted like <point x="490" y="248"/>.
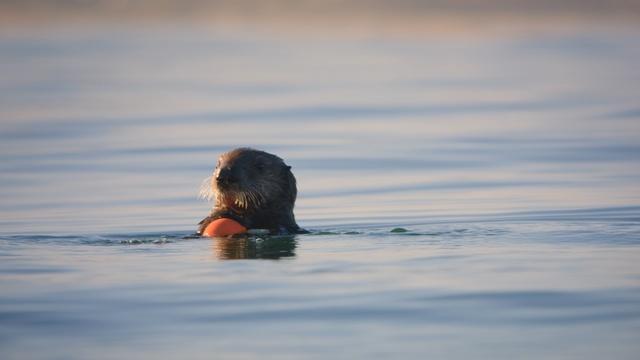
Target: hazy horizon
<point x="378" y="15"/>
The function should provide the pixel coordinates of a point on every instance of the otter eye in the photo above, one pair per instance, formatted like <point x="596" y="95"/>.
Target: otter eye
<point x="260" y="167"/>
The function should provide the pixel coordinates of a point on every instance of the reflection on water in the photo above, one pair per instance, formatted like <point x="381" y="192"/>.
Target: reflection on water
<point x="535" y="286"/>
<point x="245" y="247"/>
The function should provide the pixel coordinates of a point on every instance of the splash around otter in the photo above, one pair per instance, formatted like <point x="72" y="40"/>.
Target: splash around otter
<point x="255" y="188"/>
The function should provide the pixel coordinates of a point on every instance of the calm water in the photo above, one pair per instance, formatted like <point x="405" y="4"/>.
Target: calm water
<point x="469" y="197"/>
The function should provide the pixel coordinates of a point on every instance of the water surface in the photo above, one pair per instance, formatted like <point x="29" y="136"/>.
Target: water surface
<point x="469" y="197"/>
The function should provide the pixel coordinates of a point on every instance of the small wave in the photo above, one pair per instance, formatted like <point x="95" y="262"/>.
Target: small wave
<point x="113" y="239"/>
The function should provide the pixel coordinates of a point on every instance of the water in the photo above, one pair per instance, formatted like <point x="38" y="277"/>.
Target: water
<point x="468" y="196"/>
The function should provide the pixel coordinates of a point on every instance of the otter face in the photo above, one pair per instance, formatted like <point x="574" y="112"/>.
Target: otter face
<point x="245" y="179"/>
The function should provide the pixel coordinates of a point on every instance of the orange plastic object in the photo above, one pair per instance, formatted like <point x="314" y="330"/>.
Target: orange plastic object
<point x="223" y="227"/>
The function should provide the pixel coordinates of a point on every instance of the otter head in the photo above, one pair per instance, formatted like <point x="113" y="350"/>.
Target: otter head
<point x="247" y="180"/>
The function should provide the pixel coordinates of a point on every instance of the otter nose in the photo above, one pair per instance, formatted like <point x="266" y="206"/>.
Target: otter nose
<point x="225" y="176"/>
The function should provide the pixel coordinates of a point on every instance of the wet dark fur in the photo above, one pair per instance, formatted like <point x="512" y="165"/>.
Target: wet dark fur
<point x="255" y="188"/>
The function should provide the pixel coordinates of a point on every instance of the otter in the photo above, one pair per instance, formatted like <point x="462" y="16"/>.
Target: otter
<point x="255" y="188"/>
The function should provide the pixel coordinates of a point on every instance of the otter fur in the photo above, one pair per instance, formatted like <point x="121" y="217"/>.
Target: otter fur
<point x="255" y="188"/>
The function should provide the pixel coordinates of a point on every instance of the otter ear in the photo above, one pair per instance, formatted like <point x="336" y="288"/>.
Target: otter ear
<point x="288" y="167"/>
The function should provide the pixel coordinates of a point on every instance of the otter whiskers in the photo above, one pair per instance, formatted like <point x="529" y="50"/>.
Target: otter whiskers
<point x="247" y="199"/>
<point x="206" y="189"/>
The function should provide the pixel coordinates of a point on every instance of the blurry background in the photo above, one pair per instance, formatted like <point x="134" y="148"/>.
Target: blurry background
<point x="349" y="11"/>
<point x="112" y="112"/>
<point x="501" y="136"/>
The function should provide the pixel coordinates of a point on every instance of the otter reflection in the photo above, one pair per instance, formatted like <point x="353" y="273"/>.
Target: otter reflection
<point x="244" y="247"/>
